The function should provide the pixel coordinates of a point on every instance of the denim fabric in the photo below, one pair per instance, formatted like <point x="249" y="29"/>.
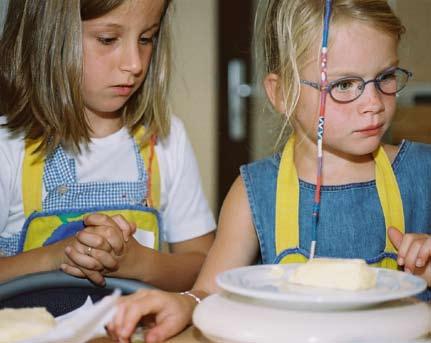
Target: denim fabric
<point x="351" y="223"/>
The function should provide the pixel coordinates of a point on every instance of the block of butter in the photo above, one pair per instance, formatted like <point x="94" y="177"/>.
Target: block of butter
<point x="347" y="274"/>
<point x="24" y="323"/>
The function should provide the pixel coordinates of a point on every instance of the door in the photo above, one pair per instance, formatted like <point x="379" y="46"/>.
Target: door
<point x="234" y="64"/>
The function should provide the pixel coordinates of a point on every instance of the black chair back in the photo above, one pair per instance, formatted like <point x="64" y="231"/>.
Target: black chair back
<point x="60" y="293"/>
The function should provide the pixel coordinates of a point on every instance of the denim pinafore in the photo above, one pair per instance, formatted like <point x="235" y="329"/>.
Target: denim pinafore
<point x="287" y="230"/>
<point x="281" y="204"/>
<point x="61" y="213"/>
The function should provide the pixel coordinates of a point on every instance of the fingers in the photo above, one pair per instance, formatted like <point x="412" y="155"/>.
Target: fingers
<point x="411" y="255"/>
<point x="166" y="328"/>
<point x="133" y="307"/>
<point x="128" y="229"/>
<point x="116" y="230"/>
<point x="105" y="237"/>
<point x="71" y="270"/>
<point x="87" y="265"/>
<point x="81" y="259"/>
<point x="395" y="236"/>
<point x="97" y="260"/>
<point x="130" y="314"/>
<point x="107" y="228"/>
<point x="95" y="277"/>
<point x="418" y="254"/>
<point x="171" y="321"/>
<point x="424" y="253"/>
<point x="94" y="240"/>
<point x="414" y="251"/>
<point x="171" y="313"/>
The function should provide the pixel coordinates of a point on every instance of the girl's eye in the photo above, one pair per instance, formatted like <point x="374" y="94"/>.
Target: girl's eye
<point x="106" y="40"/>
<point x="388" y="76"/>
<point x="344" y="85"/>
<point x="146" y="40"/>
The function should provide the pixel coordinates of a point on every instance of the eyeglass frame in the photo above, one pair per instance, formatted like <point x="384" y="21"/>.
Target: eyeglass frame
<point x="376" y="81"/>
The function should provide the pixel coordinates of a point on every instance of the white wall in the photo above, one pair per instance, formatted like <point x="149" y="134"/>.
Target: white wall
<point x="194" y="82"/>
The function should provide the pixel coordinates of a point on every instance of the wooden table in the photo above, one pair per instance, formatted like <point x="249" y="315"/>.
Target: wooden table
<point x="190" y="335"/>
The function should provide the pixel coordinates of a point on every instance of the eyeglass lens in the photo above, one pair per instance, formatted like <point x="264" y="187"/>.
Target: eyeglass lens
<point x="351" y="88"/>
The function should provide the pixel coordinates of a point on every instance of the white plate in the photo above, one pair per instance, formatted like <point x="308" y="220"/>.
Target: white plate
<point x="269" y="283"/>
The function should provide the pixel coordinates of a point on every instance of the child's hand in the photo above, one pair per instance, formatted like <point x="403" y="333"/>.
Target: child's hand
<point x="414" y="252"/>
<point x="169" y="313"/>
<point x="95" y="249"/>
<point x="99" y="221"/>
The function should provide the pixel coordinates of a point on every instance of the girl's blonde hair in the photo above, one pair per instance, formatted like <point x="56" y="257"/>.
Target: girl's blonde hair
<point x="41" y="73"/>
<point x="286" y="31"/>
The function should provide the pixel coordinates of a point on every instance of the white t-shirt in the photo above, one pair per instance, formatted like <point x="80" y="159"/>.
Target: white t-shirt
<point x="184" y="209"/>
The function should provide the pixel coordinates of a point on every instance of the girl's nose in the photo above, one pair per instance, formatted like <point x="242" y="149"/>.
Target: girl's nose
<point x="372" y="99"/>
<point x="131" y="59"/>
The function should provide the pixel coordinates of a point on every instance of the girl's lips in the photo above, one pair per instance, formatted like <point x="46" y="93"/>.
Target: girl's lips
<point x="123" y="90"/>
<point x="372" y="130"/>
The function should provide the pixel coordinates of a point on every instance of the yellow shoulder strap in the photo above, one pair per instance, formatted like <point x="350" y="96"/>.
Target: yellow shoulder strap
<point x="389" y="194"/>
<point x="32" y="178"/>
<point x="287" y="201"/>
<point x="148" y="153"/>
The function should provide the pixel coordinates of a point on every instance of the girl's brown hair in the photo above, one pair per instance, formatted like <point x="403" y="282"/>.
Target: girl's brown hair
<point x="287" y="30"/>
<point x="41" y="73"/>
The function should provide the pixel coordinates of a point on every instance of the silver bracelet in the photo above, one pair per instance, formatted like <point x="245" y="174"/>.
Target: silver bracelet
<point x="195" y="297"/>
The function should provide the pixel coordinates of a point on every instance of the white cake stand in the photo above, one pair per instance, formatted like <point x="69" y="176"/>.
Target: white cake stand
<point x="231" y="318"/>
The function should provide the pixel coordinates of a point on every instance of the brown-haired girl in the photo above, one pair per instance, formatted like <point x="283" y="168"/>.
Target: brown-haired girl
<point x="95" y="172"/>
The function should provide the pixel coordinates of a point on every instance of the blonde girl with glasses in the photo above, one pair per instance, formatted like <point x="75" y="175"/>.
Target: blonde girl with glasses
<point x="95" y="172"/>
<point x="368" y="186"/>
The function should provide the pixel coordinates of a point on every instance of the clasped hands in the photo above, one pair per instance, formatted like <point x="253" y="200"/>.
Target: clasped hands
<point x="99" y="248"/>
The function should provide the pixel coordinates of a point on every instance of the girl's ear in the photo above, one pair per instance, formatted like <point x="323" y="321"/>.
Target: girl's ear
<point x="273" y="92"/>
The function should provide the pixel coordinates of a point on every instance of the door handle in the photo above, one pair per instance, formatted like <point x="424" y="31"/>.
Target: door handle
<point x="238" y="91"/>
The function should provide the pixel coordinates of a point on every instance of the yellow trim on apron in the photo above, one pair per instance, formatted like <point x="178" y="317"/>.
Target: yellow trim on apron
<point x="32" y="172"/>
<point x="287" y="204"/>
<point x="148" y="154"/>
<point x="287" y="207"/>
